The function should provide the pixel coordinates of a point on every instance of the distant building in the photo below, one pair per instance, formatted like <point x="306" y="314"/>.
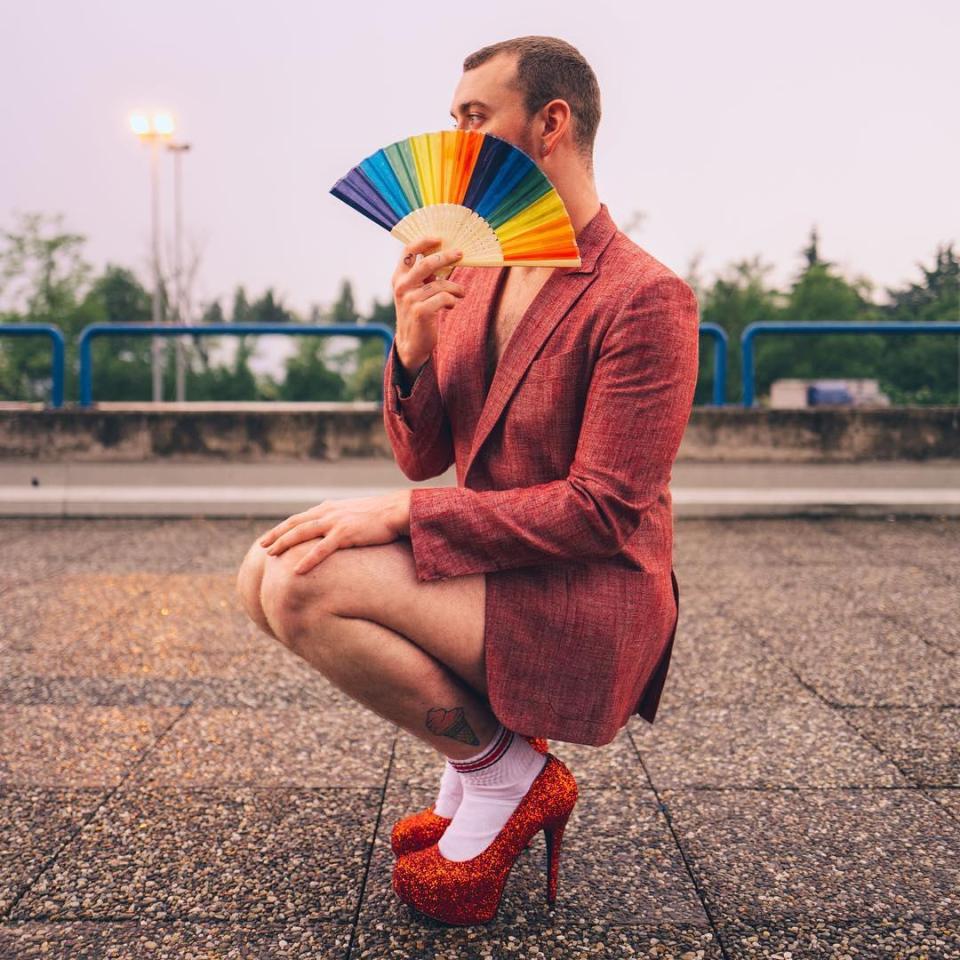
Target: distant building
<point x="793" y="393"/>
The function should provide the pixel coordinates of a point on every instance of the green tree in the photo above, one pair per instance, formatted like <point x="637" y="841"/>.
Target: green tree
<point x="42" y="277"/>
<point x="233" y="380"/>
<point x="739" y="297"/>
<point x="819" y="294"/>
<point x="122" y="364"/>
<point x="366" y="383"/>
<point x="924" y="368"/>
<point x="309" y="376"/>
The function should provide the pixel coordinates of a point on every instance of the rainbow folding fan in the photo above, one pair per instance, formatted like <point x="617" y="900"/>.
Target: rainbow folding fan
<point x="478" y="193"/>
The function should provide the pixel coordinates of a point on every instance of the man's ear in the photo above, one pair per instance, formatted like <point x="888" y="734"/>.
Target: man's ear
<point x="557" y="117"/>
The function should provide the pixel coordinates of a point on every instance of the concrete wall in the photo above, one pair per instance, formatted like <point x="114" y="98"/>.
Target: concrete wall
<point x="253" y="432"/>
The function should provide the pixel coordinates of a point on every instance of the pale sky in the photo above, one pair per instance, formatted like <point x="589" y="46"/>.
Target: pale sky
<point x="733" y="127"/>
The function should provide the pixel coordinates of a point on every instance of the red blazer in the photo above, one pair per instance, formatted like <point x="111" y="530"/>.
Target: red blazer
<point x="562" y="496"/>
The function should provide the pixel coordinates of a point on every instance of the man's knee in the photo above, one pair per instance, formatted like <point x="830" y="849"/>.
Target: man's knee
<point x="248" y="583"/>
<point x="293" y="602"/>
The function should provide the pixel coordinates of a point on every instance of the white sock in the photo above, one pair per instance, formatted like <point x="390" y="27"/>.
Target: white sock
<point x="451" y="792"/>
<point x="494" y="781"/>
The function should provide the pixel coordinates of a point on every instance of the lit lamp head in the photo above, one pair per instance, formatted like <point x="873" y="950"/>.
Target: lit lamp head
<point x="159" y="126"/>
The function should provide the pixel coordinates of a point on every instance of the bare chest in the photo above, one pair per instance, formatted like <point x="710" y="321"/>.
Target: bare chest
<point x="508" y="310"/>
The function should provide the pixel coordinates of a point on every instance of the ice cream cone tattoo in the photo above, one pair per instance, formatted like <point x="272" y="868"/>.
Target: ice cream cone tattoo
<point x="451" y="723"/>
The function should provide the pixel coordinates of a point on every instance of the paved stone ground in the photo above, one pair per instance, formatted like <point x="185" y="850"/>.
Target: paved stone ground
<point x="174" y="784"/>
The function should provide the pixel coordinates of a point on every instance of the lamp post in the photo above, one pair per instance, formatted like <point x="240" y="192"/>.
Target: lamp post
<point x="152" y="130"/>
<point x="178" y="149"/>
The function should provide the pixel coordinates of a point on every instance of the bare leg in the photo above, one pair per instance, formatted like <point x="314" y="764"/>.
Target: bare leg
<point x="363" y="619"/>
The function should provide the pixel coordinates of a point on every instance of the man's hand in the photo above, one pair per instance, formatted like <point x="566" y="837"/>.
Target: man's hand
<point x="358" y="522"/>
<point x="419" y="296"/>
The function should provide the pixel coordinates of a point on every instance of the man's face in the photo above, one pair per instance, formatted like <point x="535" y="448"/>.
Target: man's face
<point x="486" y="100"/>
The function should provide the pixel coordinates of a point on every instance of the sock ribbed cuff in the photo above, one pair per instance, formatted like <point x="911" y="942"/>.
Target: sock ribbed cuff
<point x="490" y="754"/>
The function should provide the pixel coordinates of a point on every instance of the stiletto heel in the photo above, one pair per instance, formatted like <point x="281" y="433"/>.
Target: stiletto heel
<point x="464" y="892"/>
<point x="554" y="836"/>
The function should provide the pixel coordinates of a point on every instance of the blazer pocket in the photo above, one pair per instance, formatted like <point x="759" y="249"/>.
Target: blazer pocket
<point x="569" y="363"/>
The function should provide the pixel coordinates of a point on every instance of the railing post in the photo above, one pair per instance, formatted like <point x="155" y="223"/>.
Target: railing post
<point x="746" y="364"/>
<point x="719" y="336"/>
<point x="59" y="353"/>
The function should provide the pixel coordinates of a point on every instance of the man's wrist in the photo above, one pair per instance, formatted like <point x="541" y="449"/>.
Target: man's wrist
<point x="400" y="521"/>
<point x="408" y="369"/>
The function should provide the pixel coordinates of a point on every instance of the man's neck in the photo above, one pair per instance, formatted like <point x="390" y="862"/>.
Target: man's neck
<point x="578" y="191"/>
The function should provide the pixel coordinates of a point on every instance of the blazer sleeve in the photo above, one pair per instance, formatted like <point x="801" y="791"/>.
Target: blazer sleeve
<point x="637" y="407"/>
<point x="416" y="420"/>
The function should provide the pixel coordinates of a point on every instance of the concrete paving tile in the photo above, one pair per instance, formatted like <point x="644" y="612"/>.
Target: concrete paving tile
<point x="919" y="601"/>
<point x="156" y="653"/>
<point x="13" y="529"/>
<point x="34" y="823"/>
<point x="289" y="748"/>
<point x="613" y="766"/>
<point x="751" y="543"/>
<point x="229" y="854"/>
<point x="153" y="545"/>
<point x="175" y="940"/>
<point x="620" y="873"/>
<point x="60" y="746"/>
<point x="44" y="547"/>
<point x="183" y="599"/>
<point x="925" y="744"/>
<point x="912" y="937"/>
<point x="866" y="660"/>
<point x="115" y="545"/>
<point x="30" y="690"/>
<point x="50" y="614"/>
<point x="765" y="594"/>
<point x="768" y="745"/>
<point x="948" y="798"/>
<point x="142" y="642"/>
<point x="931" y="543"/>
<point x="716" y="660"/>
<point x="862" y="866"/>
<point x="418" y="937"/>
<point x="305" y="689"/>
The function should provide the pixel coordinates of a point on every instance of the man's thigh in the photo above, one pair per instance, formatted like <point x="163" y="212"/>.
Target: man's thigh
<point x="443" y="617"/>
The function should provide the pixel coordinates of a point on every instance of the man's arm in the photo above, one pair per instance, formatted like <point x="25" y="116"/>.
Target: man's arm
<point x="415" y="419"/>
<point x="637" y="407"/>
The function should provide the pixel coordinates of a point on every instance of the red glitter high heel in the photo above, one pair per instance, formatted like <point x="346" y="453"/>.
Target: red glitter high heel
<point x="469" y="891"/>
<point x="421" y="829"/>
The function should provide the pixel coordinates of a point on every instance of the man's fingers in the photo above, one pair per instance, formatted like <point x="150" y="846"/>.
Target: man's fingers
<point x="424" y="271"/>
<point x="442" y="300"/>
<point x="316" y="555"/>
<point x="306" y="530"/>
<point x="409" y="256"/>
<point x="279" y="529"/>
<point x="423" y="245"/>
<point x="292" y="521"/>
<point x="433" y="287"/>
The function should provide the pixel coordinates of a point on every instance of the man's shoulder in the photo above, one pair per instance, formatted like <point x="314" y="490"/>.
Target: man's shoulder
<point x="626" y="268"/>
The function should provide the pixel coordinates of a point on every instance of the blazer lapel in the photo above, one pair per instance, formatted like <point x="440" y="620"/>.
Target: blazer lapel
<point x="555" y="298"/>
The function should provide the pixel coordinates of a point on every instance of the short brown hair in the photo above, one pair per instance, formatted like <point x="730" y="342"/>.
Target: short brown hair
<point x="549" y="68"/>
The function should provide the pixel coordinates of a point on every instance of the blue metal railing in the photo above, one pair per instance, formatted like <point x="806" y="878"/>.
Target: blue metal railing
<point x="59" y="360"/>
<point x="752" y="330"/>
<point x="720" y="348"/>
<point x="214" y="329"/>
<point x="386" y="334"/>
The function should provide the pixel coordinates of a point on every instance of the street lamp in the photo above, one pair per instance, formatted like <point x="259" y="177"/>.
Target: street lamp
<point x="178" y="149"/>
<point x="153" y="130"/>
